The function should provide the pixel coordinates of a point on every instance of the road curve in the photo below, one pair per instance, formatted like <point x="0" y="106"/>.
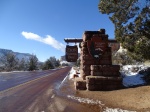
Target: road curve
<point x="34" y="95"/>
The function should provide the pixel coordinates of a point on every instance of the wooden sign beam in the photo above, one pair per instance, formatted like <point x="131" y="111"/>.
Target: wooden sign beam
<point x="69" y="40"/>
<point x="73" y="40"/>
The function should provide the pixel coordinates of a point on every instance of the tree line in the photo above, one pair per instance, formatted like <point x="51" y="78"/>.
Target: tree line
<point x="9" y="62"/>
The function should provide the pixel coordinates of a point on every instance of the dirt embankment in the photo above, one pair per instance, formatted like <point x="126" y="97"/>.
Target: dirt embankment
<point x="133" y="99"/>
<point x="137" y="99"/>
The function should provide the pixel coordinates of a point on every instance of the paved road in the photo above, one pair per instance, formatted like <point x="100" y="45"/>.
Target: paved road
<point x="11" y="79"/>
<point x="32" y="96"/>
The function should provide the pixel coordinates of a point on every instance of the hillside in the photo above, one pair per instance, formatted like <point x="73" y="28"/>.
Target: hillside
<point x="26" y="56"/>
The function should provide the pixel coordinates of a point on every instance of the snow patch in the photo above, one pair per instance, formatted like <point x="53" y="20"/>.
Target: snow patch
<point x="14" y="72"/>
<point x="116" y="110"/>
<point x="85" y="100"/>
<point x="131" y="76"/>
<point x="65" y="62"/>
<point x="73" y="72"/>
<point x="96" y="102"/>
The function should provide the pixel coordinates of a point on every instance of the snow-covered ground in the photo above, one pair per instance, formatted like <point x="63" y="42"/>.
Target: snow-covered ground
<point x="131" y="77"/>
<point x="72" y="72"/>
<point x="13" y="72"/>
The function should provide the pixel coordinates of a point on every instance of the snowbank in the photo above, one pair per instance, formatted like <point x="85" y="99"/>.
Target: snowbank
<point x="13" y="72"/>
<point x="72" y="73"/>
<point x="131" y="76"/>
<point x="65" y="62"/>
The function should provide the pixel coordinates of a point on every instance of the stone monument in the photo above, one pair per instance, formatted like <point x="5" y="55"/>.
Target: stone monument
<point x="96" y="69"/>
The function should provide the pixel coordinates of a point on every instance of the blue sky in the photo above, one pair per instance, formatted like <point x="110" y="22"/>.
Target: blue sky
<point x="40" y="26"/>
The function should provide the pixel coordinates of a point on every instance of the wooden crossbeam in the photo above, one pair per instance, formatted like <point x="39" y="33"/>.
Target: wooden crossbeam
<point x="69" y="40"/>
<point x="73" y="40"/>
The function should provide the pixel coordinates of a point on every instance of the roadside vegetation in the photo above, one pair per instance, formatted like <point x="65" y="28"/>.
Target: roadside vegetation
<point x="9" y="62"/>
<point x="131" y="19"/>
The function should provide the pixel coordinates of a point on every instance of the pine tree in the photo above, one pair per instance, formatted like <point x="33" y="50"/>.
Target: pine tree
<point x="22" y="64"/>
<point x="33" y="62"/>
<point x="54" y="61"/>
<point x="48" y="65"/>
<point x="131" y="19"/>
<point x="10" y="62"/>
<point x="57" y="63"/>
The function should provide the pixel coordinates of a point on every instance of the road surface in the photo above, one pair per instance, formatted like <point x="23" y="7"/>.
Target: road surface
<point x="23" y="97"/>
<point x="39" y="94"/>
<point x="11" y="79"/>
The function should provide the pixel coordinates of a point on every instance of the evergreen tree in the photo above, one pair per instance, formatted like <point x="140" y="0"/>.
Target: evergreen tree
<point x="48" y="65"/>
<point x="22" y="64"/>
<point x="33" y="62"/>
<point x="40" y="65"/>
<point x="26" y="66"/>
<point x="54" y="61"/>
<point x="10" y="62"/>
<point x="57" y="63"/>
<point x="122" y="59"/>
<point x="131" y="19"/>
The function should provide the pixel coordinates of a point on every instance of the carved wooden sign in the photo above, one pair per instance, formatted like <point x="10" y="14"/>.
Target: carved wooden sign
<point x="71" y="53"/>
<point x="97" y="46"/>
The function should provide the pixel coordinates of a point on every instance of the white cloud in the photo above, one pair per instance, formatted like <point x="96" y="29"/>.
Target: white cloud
<point x="47" y="40"/>
<point x="32" y="36"/>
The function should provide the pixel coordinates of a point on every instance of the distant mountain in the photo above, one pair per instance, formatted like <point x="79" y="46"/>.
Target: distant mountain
<point x="26" y="56"/>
